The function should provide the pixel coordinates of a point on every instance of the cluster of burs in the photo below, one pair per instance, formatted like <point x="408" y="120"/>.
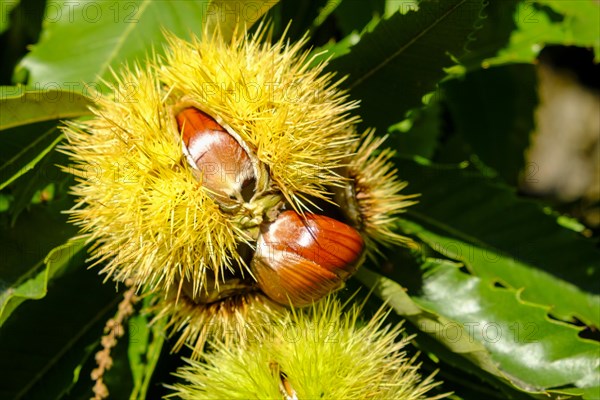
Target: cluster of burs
<point x="239" y="207"/>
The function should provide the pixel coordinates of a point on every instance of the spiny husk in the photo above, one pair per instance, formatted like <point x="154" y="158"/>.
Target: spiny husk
<point x="138" y="200"/>
<point x="321" y="352"/>
<point x="143" y="207"/>
<point x="292" y="115"/>
<point x="378" y="193"/>
<point x="231" y="320"/>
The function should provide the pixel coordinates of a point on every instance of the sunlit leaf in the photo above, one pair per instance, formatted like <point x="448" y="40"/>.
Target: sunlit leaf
<point x="469" y="354"/>
<point x="536" y="27"/>
<point x="119" y="31"/>
<point x="524" y="346"/>
<point x="535" y="353"/>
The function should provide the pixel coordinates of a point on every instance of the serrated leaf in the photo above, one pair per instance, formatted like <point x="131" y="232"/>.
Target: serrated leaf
<point x="35" y="287"/>
<point x="498" y="236"/>
<point x="536" y="353"/>
<point x="562" y="299"/>
<point x="392" y="67"/>
<point x="436" y="325"/>
<point x="493" y="110"/>
<point x="494" y="34"/>
<point x="494" y="329"/>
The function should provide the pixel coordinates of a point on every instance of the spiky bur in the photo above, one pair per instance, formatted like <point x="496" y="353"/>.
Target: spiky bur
<point x="229" y="319"/>
<point x="374" y="201"/>
<point x="322" y="353"/>
<point x="142" y="206"/>
<point x="291" y="115"/>
<point x="143" y="201"/>
<point x="138" y="201"/>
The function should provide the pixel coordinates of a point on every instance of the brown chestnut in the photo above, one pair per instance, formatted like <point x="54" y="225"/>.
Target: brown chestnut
<point x="301" y="258"/>
<point x="224" y="165"/>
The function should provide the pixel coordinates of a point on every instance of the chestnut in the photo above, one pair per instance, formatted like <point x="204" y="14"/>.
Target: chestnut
<point x="301" y="258"/>
<point x="225" y="167"/>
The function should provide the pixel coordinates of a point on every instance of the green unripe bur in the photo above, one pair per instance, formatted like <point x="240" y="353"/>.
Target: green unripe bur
<point x="322" y="352"/>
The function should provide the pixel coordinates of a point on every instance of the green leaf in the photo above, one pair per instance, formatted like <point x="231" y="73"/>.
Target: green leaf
<point x="5" y="201"/>
<point x="495" y="329"/>
<point x="29" y="134"/>
<point x="353" y="16"/>
<point x="332" y="50"/>
<point x="25" y="246"/>
<point x="493" y="110"/>
<point x="119" y="31"/>
<point x="469" y="218"/>
<point x="403" y="58"/>
<point x="145" y="346"/>
<point x="46" y="176"/>
<point x="35" y="287"/>
<point x="418" y="135"/>
<point x="29" y="157"/>
<point x="5" y="9"/>
<point x="13" y="140"/>
<point x="581" y="25"/>
<point x="23" y="28"/>
<point x="536" y="27"/>
<point x="22" y="107"/>
<point x="45" y="342"/>
<point x="563" y="300"/>
<point x="295" y="18"/>
<point x="494" y="34"/>
<point x="536" y="353"/>
<point x="456" y="348"/>
<point x="228" y="15"/>
<point x="324" y="12"/>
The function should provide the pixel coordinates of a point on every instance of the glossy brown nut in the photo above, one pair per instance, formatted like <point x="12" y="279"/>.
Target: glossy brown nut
<point x="225" y="167"/>
<point x="300" y="260"/>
